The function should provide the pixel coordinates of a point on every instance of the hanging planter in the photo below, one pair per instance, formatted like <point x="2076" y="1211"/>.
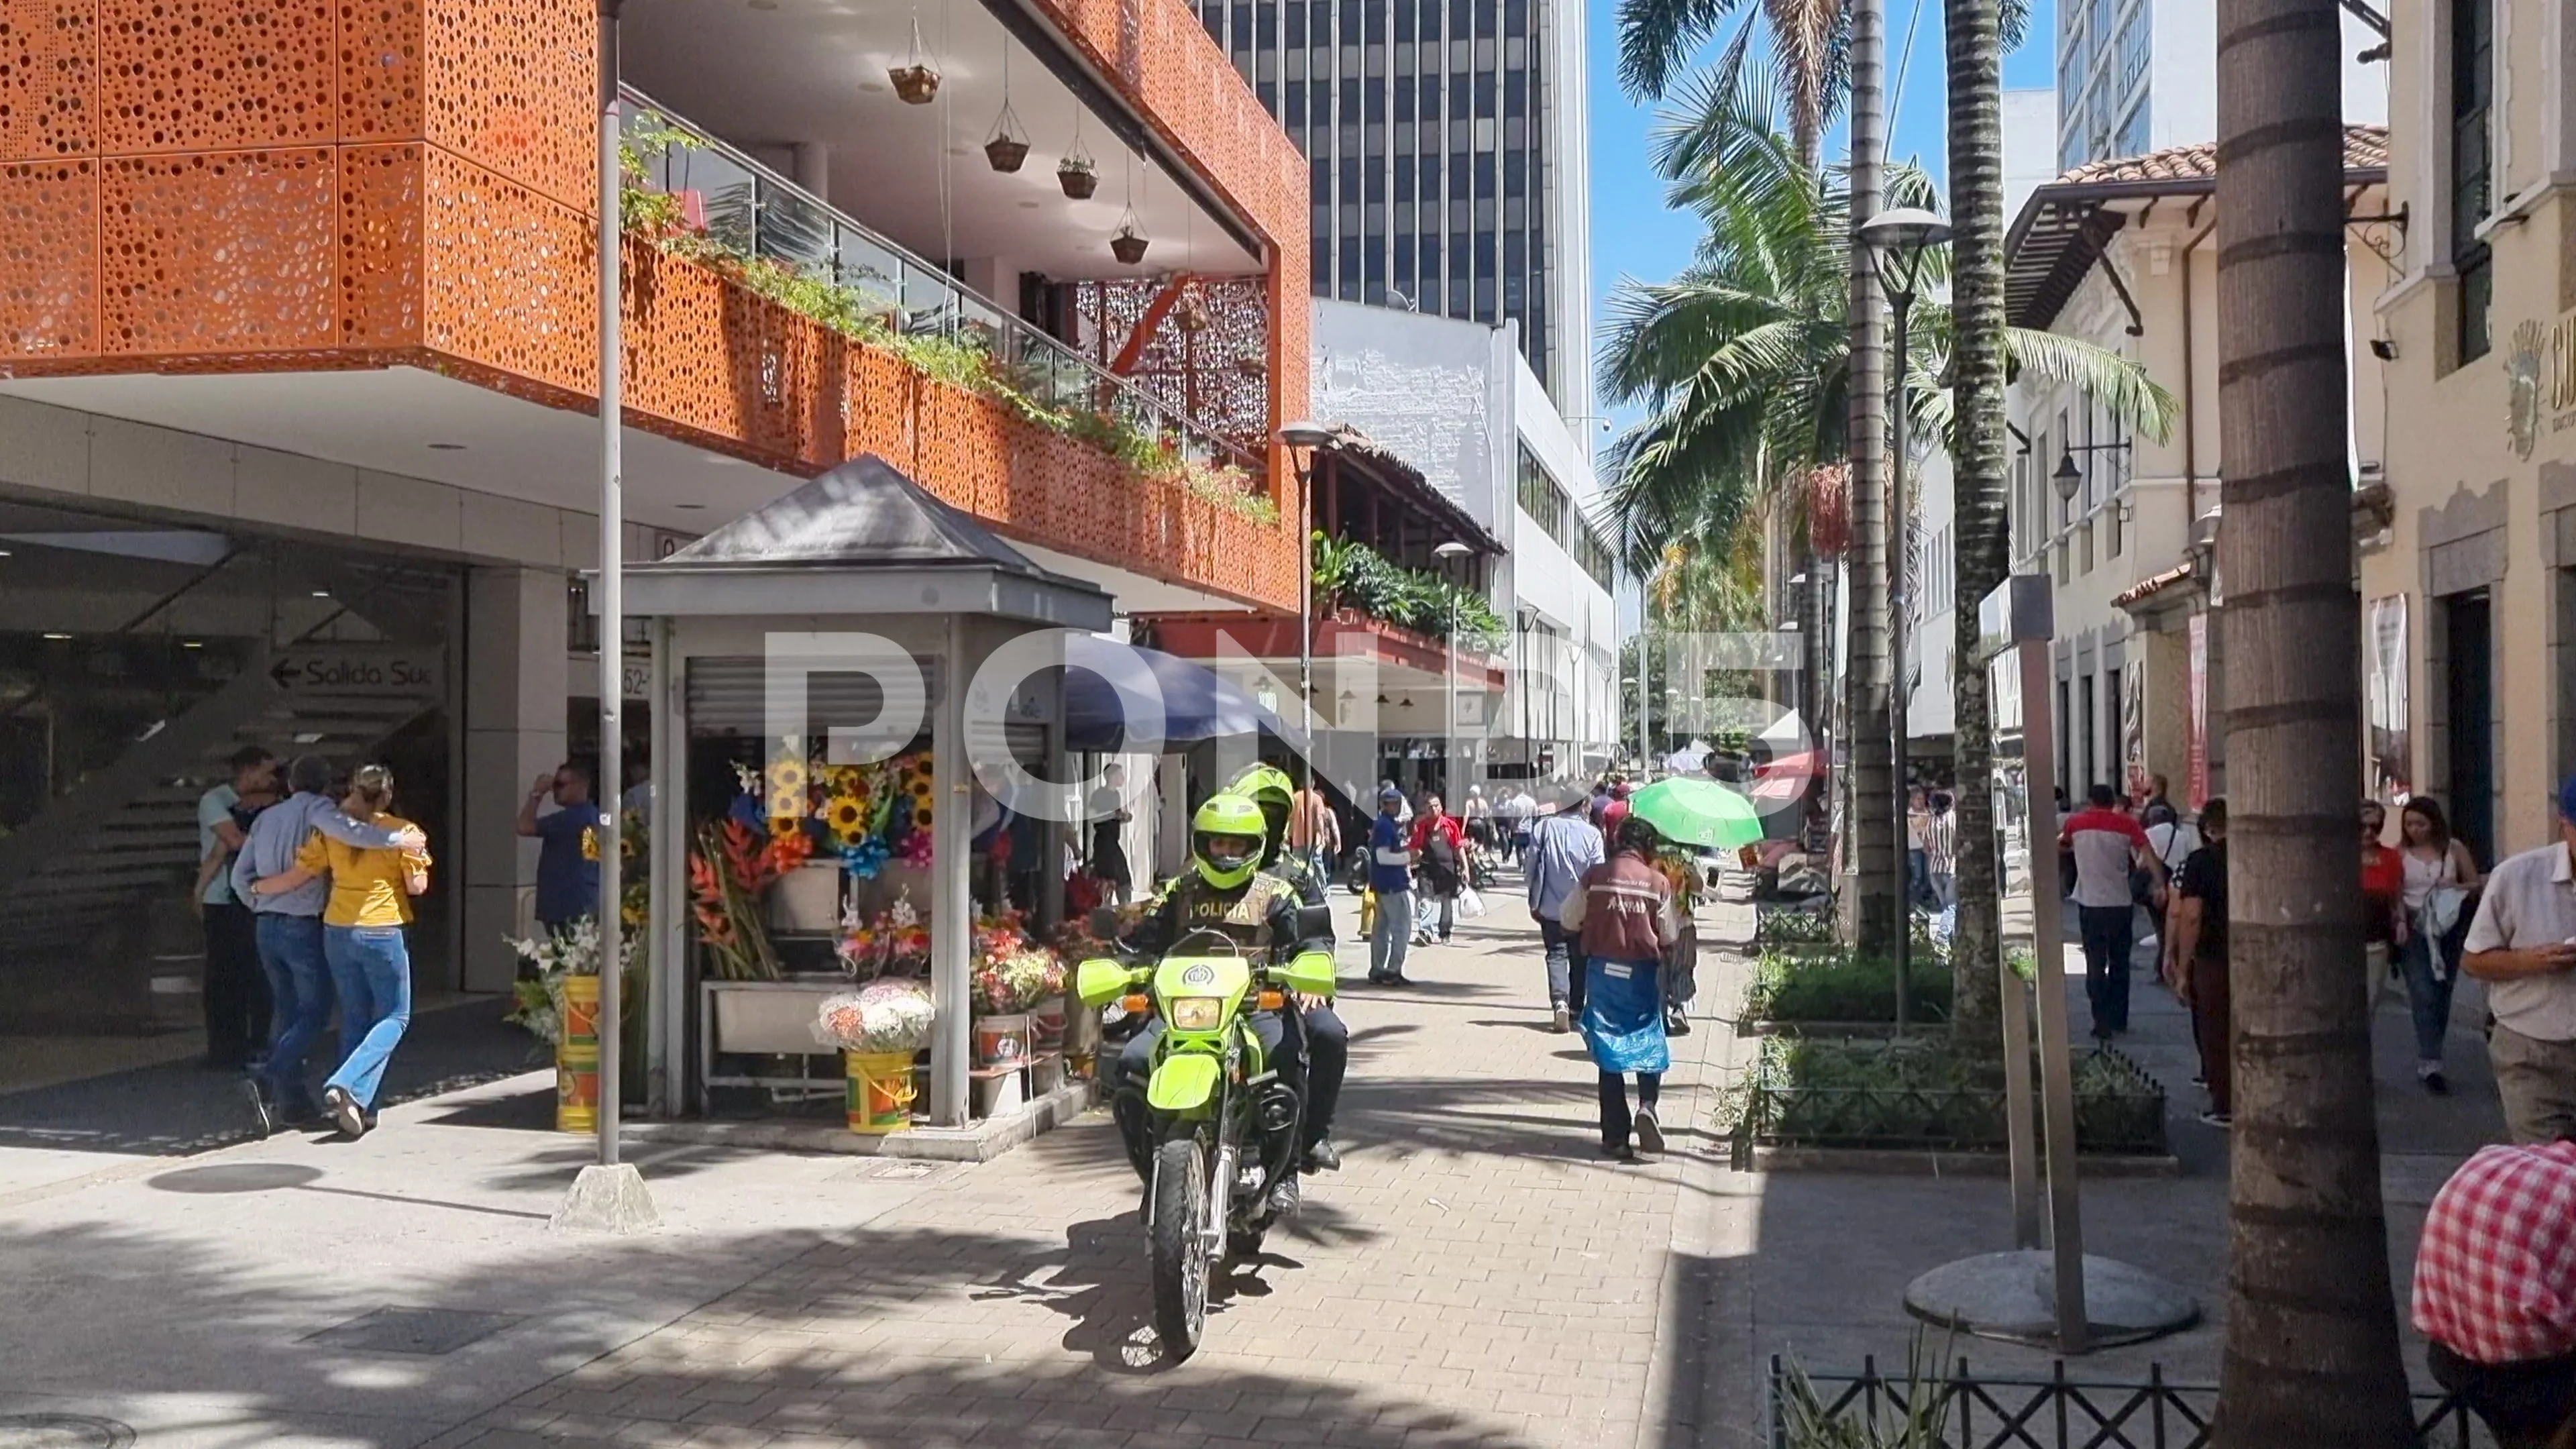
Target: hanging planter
<point x="1129" y="244"/>
<point x="916" y="81"/>
<point x="1194" y="315"/>
<point x="1075" y="174"/>
<point x="1008" y="146"/>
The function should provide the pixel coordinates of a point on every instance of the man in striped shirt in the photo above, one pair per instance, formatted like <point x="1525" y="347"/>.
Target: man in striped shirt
<point x="1941" y="851"/>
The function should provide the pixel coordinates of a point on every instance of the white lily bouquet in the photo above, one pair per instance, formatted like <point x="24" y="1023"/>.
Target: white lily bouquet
<point x="552" y="956"/>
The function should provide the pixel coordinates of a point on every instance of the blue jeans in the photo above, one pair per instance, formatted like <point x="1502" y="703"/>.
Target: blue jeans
<point x="1565" y="967"/>
<point x="1391" y="935"/>
<point x="299" y="983"/>
<point x="2108" y="943"/>
<point x="373" y="971"/>
<point x="2428" y="998"/>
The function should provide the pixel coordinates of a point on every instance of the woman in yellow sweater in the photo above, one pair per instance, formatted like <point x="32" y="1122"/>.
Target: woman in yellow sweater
<point x="362" y="939"/>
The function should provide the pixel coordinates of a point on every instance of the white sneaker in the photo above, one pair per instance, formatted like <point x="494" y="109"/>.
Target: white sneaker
<point x="1564" y="1021"/>
<point x="1650" y="1133"/>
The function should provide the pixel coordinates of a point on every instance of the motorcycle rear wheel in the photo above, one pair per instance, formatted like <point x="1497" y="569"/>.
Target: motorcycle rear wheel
<point x="1180" y="1246"/>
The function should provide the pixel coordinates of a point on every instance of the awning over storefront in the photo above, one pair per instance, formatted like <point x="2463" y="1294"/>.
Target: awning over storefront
<point x="1107" y="684"/>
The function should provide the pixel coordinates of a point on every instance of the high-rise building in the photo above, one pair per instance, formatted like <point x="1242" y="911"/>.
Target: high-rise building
<point x="1445" y="141"/>
<point x="2135" y="76"/>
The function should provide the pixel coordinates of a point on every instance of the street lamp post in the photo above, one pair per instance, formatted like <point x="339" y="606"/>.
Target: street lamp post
<point x="1446" y="553"/>
<point x="1302" y="439"/>
<point x="1897" y="239"/>
<point x="609" y="1195"/>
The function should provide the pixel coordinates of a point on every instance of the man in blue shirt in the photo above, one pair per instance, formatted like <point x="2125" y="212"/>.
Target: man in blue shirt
<point x="1391" y="877"/>
<point x="568" y="851"/>
<point x="1563" y="845"/>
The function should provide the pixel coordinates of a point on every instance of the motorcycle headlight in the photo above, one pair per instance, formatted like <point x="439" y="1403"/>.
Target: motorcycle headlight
<point x="1196" y="1013"/>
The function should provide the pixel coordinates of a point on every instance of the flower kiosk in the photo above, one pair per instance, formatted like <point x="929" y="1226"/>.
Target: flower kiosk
<point x="858" y="708"/>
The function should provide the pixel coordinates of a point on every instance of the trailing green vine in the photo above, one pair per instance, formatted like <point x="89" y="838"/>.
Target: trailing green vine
<point x="660" y="218"/>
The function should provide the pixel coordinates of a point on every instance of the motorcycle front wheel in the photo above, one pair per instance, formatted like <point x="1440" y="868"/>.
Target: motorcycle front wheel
<point x="1180" y="1246"/>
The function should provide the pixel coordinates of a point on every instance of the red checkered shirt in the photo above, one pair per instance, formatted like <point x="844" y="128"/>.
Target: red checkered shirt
<point x="2495" y="1275"/>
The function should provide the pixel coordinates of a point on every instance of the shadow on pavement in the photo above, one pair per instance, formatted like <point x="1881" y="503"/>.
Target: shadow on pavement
<point x="182" y="1108"/>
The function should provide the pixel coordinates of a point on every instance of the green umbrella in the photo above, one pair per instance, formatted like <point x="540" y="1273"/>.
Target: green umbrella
<point x="1698" y="812"/>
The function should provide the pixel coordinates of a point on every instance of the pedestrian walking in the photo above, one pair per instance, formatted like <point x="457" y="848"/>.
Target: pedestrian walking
<point x="2383" y="900"/>
<point x="1941" y="851"/>
<point x="2199" y="951"/>
<point x="368" y="906"/>
<point x="235" y="993"/>
<point x="1391" y="887"/>
<point x="568" y="845"/>
<point x="2440" y="876"/>
<point x="2107" y="846"/>
<point x="1918" y="860"/>
<point x="1562" y="847"/>
<point x="1440" y="869"/>
<point x="2495" y="1291"/>
<point x="1478" y="812"/>
<point x="1109" y="814"/>
<point x="1315" y="831"/>
<point x="1523" y="817"/>
<point x="2522" y="943"/>
<point x="1624" y="910"/>
<point x="288" y="928"/>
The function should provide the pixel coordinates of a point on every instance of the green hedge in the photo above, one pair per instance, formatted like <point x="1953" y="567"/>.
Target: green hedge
<point x="1921" y="1093"/>
<point x="1824" y="989"/>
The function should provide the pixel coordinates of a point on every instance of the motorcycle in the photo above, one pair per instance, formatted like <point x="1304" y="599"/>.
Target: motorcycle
<point x="1221" y="1128"/>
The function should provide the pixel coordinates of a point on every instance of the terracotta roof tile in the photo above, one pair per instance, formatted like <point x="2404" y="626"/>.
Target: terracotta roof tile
<point x="2364" y="148"/>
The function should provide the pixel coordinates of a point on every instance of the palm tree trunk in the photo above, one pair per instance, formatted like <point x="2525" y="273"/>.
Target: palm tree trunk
<point x="2312" y="1350"/>
<point x="1973" y="38"/>
<point x="1876" y="907"/>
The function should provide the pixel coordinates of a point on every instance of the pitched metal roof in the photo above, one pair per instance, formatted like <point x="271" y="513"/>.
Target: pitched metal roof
<point x="863" y="512"/>
<point x="2067" y="224"/>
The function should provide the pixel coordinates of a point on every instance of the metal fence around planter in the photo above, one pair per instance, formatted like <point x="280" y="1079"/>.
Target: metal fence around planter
<point x="1971" y="1412"/>
<point x="2123" y="1115"/>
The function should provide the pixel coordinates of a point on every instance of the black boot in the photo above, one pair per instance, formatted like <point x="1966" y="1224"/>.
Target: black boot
<point x="1322" y="1156"/>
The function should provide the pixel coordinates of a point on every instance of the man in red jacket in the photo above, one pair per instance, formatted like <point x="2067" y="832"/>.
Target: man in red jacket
<point x="1440" y="859"/>
<point x="1626" y="915"/>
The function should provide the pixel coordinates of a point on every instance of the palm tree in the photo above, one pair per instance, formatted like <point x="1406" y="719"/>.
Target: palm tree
<point x="1743" y="360"/>
<point x="2312" y="1349"/>
<point x="1978" y="462"/>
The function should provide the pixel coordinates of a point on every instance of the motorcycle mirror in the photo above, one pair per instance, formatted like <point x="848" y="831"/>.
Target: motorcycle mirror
<point x="1104" y="922"/>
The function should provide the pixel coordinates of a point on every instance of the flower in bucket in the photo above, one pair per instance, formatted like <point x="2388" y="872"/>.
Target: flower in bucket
<point x="1016" y="982"/>
<point x="894" y="1015"/>
<point x="537" y="1002"/>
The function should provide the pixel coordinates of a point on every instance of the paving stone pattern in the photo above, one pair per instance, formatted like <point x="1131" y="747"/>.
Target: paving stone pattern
<point x="1476" y="1274"/>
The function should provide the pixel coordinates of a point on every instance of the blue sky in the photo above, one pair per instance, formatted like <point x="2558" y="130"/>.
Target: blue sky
<point x="1634" y="236"/>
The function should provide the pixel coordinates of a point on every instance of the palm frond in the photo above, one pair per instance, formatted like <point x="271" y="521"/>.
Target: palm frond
<point x="1657" y="37"/>
<point x="2117" y="383"/>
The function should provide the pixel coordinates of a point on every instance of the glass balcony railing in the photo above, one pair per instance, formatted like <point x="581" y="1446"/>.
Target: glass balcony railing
<point x="751" y="210"/>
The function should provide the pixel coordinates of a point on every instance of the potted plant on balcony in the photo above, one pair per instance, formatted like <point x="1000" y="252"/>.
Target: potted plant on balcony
<point x="1128" y="245"/>
<point x="1077" y="175"/>
<point x="1008" y="146"/>
<point x="917" y="80"/>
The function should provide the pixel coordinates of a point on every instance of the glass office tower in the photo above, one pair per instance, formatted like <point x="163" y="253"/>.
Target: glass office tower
<point x="1446" y="141"/>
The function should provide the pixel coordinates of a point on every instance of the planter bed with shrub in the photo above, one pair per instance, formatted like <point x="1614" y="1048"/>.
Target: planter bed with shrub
<point x="1820" y="992"/>
<point x="1922" y="1095"/>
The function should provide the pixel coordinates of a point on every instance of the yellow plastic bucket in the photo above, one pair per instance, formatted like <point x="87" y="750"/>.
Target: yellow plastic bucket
<point x="577" y="1057"/>
<point x="881" y="1090"/>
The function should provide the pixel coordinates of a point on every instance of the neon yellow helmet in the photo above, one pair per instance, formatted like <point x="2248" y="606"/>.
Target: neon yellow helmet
<point x="1264" y="785"/>
<point x="1226" y="839"/>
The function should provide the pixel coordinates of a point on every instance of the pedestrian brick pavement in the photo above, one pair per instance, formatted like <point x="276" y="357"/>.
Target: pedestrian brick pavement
<point x="1475" y="1274"/>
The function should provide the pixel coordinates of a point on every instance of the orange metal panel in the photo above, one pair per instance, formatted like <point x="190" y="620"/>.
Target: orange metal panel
<point x="380" y="71"/>
<point x="212" y="75"/>
<point x="515" y="87"/>
<point x="48" y="74"/>
<point x="49" y="260"/>
<point x="506" y="277"/>
<point x="383" y="207"/>
<point x="228" y="252"/>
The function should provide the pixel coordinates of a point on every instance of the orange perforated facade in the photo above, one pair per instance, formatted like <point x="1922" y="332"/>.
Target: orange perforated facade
<point x="302" y="185"/>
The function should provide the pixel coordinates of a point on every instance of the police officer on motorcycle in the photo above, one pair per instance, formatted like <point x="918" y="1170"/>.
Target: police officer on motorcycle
<point x="1226" y="893"/>
<point x="1328" y="1041"/>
